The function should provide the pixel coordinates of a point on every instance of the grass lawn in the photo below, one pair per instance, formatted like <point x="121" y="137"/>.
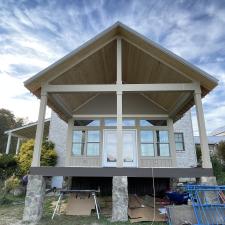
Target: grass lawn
<point x="11" y="214"/>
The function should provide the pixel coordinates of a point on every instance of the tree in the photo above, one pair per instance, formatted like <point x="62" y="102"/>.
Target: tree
<point x="8" y="121"/>
<point x="221" y="151"/>
<point x="48" y="155"/>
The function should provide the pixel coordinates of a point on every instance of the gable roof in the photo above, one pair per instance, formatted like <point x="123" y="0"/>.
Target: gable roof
<point x="218" y="131"/>
<point x="154" y="59"/>
<point x="119" y="29"/>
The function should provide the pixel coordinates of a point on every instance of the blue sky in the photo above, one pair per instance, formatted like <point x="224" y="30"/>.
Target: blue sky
<point x="34" y="34"/>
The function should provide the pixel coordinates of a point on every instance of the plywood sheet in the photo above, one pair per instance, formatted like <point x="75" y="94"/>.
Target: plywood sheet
<point x="80" y="205"/>
<point x="144" y="214"/>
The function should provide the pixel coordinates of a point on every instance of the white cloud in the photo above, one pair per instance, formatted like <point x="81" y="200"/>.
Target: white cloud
<point x="34" y="36"/>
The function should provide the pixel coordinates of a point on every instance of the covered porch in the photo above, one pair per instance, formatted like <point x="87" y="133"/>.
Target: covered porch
<point x="121" y="76"/>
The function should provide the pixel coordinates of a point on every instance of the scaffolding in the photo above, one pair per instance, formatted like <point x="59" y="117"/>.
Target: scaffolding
<point x="208" y="203"/>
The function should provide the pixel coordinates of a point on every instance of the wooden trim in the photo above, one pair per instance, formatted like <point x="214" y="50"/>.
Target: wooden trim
<point x="120" y="87"/>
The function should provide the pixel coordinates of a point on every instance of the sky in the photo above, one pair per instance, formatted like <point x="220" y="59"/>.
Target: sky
<point x="36" y="33"/>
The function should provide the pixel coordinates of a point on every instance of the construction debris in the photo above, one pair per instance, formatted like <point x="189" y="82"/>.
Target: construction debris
<point x="79" y="205"/>
<point x="139" y="211"/>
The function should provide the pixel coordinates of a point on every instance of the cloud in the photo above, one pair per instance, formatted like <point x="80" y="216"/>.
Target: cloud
<point x="34" y="34"/>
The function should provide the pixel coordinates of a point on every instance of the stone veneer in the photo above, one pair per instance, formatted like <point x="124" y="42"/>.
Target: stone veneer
<point x="119" y="198"/>
<point x="188" y="157"/>
<point x="34" y="198"/>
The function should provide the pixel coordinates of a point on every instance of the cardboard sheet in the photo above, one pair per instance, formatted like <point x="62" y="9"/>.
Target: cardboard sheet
<point x="144" y="214"/>
<point x="80" y="205"/>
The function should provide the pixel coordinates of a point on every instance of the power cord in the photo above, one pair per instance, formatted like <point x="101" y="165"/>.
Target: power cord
<point x="154" y="202"/>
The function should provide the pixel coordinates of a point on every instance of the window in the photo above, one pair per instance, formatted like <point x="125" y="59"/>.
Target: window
<point x="150" y="123"/>
<point x="78" y="142"/>
<point x="86" y="143"/>
<point x="179" y="141"/>
<point x="110" y="122"/>
<point x="128" y="122"/>
<point x="147" y="143"/>
<point x="113" y="122"/>
<point x="93" y="142"/>
<point x="162" y="143"/>
<point x="89" y="123"/>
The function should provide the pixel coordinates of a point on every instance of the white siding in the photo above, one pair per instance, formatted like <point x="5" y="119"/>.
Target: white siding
<point x="57" y="134"/>
<point x="186" y="158"/>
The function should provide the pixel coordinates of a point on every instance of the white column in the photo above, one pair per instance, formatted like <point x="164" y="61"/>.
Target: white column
<point x="119" y="106"/>
<point x="119" y="130"/>
<point x="206" y="162"/>
<point x="18" y="146"/>
<point x="8" y="143"/>
<point x="172" y="142"/>
<point x="40" y="130"/>
<point x="69" y="140"/>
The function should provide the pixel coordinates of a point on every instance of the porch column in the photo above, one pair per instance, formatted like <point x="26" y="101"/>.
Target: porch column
<point x="40" y="130"/>
<point x="8" y="143"/>
<point x="18" y="145"/>
<point x="206" y="162"/>
<point x="119" y="106"/>
<point x="172" y="142"/>
<point x="69" y="140"/>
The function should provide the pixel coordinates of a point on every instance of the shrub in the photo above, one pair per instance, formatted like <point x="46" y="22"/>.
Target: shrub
<point x="221" y="150"/>
<point x="8" y="166"/>
<point x="48" y="155"/>
<point x="11" y="183"/>
<point x="199" y="155"/>
<point x="218" y="169"/>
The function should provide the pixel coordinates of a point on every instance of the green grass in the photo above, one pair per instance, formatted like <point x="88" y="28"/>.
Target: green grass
<point x="12" y="213"/>
<point x="78" y="220"/>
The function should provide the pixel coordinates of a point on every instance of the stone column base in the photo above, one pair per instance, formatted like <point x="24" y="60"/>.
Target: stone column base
<point x="119" y="198"/>
<point x="34" y="198"/>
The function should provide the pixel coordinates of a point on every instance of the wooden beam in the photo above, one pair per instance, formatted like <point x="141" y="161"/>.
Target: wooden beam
<point x="144" y="116"/>
<point x="121" y="87"/>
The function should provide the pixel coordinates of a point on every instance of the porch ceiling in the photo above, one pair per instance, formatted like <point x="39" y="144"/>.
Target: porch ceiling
<point x="28" y="131"/>
<point x="142" y="62"/>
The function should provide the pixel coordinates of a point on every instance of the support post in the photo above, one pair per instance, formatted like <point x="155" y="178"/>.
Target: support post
<point x="119" y="131"/>
<point x="18" y="145"/>
<point x="172" y="142"/>
<point x="69" y="140"/>
<point x="206" y="162"/>
<point x="8" y="143"/>
<point x="40" y="129"/>
<point x="119" y="106"/>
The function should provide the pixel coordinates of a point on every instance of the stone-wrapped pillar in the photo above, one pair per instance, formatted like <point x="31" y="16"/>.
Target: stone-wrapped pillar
<point x="119" y="199"/>
<point x="34" y="198"/>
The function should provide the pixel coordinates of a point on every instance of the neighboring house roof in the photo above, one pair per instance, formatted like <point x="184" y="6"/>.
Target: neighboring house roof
<point x="28" y="131"/>
<point x="218" y="131"/>
<point x="144" y="61"/>
<point x="212" y="140"/>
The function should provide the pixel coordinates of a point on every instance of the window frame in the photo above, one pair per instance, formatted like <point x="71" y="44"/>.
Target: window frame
<point x="183" y="143"/>
<point x="136" y="126"/>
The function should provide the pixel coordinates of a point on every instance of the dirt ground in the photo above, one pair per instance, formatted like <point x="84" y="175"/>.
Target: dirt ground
<point x="11" y="214"/>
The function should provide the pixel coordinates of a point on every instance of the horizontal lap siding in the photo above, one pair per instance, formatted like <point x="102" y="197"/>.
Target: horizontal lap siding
<point x="85" y="161"/>
<point x="154" y="162"/>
